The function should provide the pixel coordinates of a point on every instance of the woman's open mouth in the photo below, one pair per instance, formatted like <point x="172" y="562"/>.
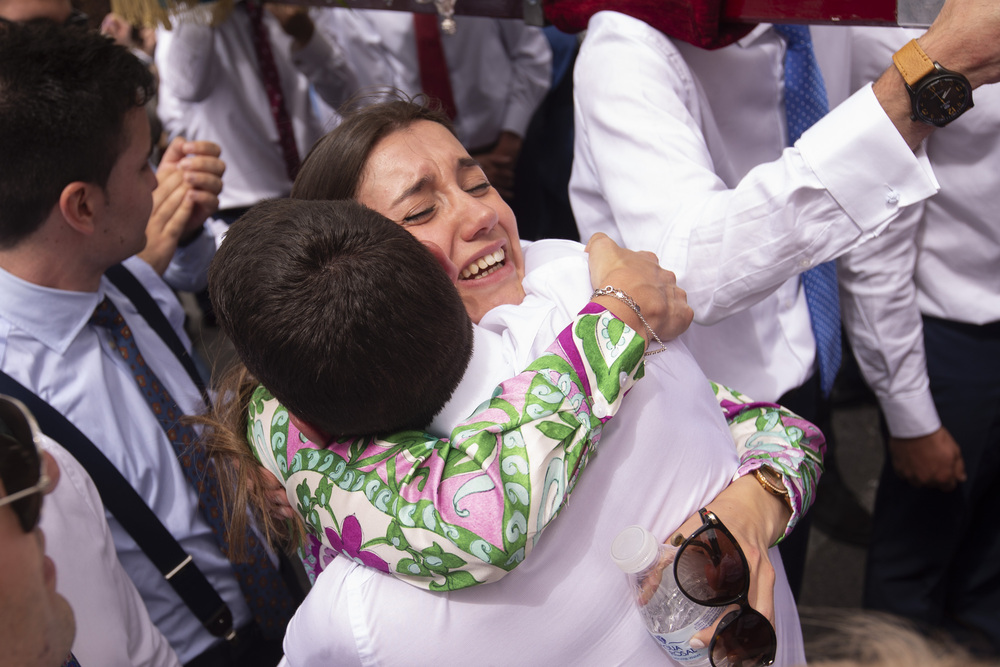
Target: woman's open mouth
<point x="484" y="266"/>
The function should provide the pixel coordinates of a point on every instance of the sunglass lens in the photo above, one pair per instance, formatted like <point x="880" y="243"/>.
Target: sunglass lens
<point x="711" y="569"/>
<point x="20" y="467"/>
<point x="744" y="638"/>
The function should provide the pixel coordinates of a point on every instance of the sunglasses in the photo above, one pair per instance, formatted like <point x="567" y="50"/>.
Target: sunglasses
<point x="24" y="480"/>
<point x="711" y="570"/>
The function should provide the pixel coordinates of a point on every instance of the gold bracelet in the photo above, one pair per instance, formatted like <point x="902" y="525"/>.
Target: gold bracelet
<point x="616" y="293"/>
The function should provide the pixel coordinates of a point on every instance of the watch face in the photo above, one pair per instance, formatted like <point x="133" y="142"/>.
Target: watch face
<point x="941" y="98"/>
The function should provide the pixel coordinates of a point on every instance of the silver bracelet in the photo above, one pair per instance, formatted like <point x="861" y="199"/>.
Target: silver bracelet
<point x="616" y="293"/>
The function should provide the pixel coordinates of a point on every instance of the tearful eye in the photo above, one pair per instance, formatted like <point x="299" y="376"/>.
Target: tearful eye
<point x="417" y="217"/>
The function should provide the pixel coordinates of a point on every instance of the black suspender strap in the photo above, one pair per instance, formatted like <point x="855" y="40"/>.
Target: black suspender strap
<point x="130" y="286"/>
<point x="132" y="513"/>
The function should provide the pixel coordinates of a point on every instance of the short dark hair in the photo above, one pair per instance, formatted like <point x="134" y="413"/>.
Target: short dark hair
<point x="333" y="168"/>
<point x="64" y="95"/>
<point x="342" y="314"/>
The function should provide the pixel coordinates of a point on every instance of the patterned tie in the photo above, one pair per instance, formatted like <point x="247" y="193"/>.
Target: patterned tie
<point x="71" y="661"/>
<point x="269" y="599"/>
<point x="434" y="78"/>
<point x="806" y="103"/>
<point x="272" y="86"/>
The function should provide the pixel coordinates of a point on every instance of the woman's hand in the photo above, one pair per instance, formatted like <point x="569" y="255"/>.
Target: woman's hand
<point x="639" y="274"/>
<point x="756" y="518"/>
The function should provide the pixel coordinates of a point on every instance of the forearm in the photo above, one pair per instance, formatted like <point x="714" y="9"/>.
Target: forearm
<point x="730" y="245"/>
<point x="879" y="308"/>
<point x="446" y="515"/>
<point x="768" y="435"/>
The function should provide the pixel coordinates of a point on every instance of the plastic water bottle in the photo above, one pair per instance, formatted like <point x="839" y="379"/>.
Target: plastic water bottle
<point x="671" y="617"/>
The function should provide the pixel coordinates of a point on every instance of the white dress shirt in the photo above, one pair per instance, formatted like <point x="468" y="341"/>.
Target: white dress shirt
<point x="500" y="69"/>
<point x="682" y="151"/>
<point x="568" y="604"/>
<point x="943" y="262"/>
<point x="211" y="89"/>
<point x="48" y="346"/>
<point x="113" y="628"/>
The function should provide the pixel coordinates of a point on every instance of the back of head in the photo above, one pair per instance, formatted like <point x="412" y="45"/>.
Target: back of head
<point x="334" y="166"/>
<point x="343" y="315"/>
<point x="64" y="95"/>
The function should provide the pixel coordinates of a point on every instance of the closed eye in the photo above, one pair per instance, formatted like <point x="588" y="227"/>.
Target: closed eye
<point x="418" y="216"/>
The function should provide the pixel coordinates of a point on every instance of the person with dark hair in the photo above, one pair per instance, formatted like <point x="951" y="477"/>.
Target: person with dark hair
<point x="37" y="625"/>
<point x="351" y="323"/>
<point x="189" y="176"/>
<point x="76" y="191"/>
<point x="402" y="160"/>
<point x="368" y="314"/>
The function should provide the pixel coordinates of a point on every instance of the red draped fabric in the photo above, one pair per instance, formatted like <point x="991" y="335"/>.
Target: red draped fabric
<point x="695" y="21"/>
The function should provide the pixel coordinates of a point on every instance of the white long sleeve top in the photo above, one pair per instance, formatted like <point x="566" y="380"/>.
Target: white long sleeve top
<point x="941" y="259"/>
<point x="682" y="151"/>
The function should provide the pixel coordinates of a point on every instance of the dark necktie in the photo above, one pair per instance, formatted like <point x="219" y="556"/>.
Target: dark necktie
<point x="71" y="661"/>
<point x="272" y="86"/>
<point x="806" y="103"/>
<point x="434" y="79"/>
<point x="262" y="585"/>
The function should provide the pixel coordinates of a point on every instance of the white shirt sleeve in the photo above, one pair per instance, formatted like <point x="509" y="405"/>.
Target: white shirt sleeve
<point x="644" y="172"/>
<point x="878" y="303"/>
<point x="112" y="625"/>
<point x="531" y="73"/>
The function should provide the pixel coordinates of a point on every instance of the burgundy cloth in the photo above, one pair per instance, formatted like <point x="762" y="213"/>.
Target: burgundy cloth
<point x="272" y="85"/>
<point x="434" y="79"/>
<point x="697" y="22"/>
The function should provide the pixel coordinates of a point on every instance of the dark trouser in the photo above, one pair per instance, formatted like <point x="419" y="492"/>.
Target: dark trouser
<point x="935" y="556"/>
<point x="806" y="401"/>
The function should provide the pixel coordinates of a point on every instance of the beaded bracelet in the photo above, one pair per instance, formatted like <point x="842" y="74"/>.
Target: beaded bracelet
<point x="616" y="293"/>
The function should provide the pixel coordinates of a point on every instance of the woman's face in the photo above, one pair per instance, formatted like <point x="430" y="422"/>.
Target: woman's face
<point x="424" y="179"/>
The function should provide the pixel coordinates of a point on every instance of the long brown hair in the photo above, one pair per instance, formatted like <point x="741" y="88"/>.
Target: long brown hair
<point x="334" y="166"/>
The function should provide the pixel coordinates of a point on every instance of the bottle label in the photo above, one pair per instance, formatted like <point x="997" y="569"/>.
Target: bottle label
<point x="677" y="645"/>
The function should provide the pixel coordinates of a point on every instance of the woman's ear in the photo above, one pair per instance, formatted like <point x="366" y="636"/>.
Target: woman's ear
<point x="77" y="205"/>
<point x="315" y="434"/>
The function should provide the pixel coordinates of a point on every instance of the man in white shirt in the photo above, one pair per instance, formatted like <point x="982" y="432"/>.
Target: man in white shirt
<point x="922" y="309"/>
<point x="499" y="71"/>
<point x="189" y="179"/>
<point x="113" y="627"/>
<point x="75" y="195"/>
<point x="213" y="87"/>
<point x="683" y="151"/>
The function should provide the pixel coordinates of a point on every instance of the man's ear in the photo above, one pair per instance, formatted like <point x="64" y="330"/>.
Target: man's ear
<point x="78" y="204"/>
<point x="315" y="434"/>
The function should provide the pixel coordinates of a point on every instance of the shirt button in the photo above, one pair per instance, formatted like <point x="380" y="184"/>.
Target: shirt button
<point x="805" y="263"/>
<point x="892" y="198"/>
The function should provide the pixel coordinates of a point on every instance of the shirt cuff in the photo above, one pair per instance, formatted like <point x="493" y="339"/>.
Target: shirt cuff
<point x="860" y="157"/>
<point x="910" y="416"/>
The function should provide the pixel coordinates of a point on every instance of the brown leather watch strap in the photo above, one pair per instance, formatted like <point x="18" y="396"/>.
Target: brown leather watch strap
<point x="912" y="63"/>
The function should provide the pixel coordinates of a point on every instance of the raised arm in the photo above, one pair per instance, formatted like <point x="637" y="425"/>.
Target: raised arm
<point x="452" y="513"/>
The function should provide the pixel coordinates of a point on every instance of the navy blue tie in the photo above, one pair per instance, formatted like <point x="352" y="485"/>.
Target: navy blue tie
<point x="806" y="103"/>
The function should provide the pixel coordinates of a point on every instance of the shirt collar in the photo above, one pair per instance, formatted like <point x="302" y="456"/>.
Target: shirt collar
<point x="54" y="317"/>
<point x="760" y="30"/>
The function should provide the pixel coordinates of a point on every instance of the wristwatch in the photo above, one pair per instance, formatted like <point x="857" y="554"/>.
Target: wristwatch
<point x="938" y="96"/>
<point x="771" y="481"/>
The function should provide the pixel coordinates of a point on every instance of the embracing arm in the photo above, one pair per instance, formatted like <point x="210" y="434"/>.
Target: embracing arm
<point x="767" y="434"/>
<point x="448" y="514"/>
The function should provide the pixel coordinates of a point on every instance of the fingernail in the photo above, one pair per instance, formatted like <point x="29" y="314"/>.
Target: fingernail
<point x="696" y="644"/>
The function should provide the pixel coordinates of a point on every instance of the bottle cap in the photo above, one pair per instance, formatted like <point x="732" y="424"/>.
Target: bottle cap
<point x="634" y="549"/>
